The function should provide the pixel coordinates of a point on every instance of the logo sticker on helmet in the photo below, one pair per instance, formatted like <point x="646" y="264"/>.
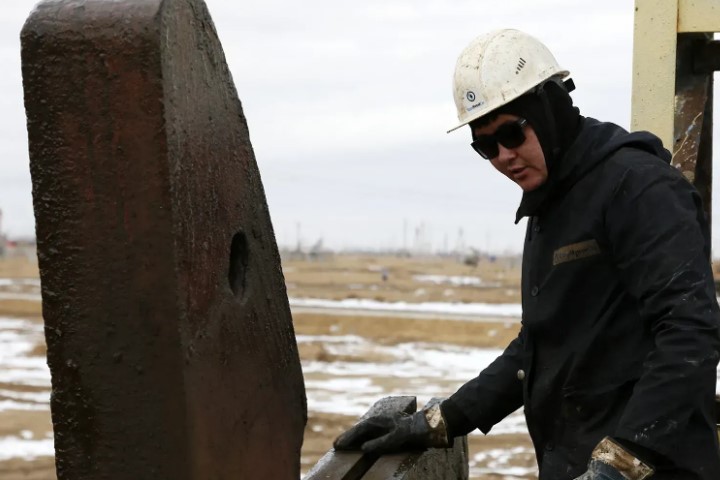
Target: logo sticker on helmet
<point x="473" y="101"/>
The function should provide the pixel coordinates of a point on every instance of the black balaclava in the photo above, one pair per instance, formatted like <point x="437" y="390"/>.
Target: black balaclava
<point x="549" y="110"/>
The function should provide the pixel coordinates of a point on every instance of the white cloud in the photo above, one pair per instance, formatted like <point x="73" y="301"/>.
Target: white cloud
<point x="340" y="96"/>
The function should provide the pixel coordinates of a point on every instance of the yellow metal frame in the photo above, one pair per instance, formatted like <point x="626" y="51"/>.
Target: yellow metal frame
<point x="657" y="23"/>
<point x="697" y="15"/>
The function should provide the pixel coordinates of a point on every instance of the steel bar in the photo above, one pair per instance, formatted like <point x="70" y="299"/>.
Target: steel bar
<point x="692" y="151"/>
<point x="430" y="464"/>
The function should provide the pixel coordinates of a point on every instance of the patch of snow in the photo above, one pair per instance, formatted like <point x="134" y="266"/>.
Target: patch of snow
<point x="479" y="309"/>
<point x="21" y="296"/>
<point x="18" y="447"/>
<point x="499" y="462"/>
<point x="18" y="338"/>
<point x="32" y="397"/>
<point x="14" y="405"/>
<point x="33" y="282"/>
<point x="457" y="281"/>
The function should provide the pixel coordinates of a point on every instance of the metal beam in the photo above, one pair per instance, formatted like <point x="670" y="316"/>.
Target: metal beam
<point x="692" y="148"/>
<point x="698" y="16"/>
<point x="653" y="90"/>
<point x="431" y="464"/>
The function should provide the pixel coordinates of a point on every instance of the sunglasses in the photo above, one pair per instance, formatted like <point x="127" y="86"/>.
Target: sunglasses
<point x="509" y="135"/>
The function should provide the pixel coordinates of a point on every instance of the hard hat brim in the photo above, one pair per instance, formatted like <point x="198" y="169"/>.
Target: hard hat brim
<point x="492" y="108"/>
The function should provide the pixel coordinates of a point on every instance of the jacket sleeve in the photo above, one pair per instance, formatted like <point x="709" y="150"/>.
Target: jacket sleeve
<point x="660" y="243"/>
<point x="491" y="396"/>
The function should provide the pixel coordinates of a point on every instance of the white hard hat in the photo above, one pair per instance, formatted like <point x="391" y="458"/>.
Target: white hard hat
<point x="496" y="68"/>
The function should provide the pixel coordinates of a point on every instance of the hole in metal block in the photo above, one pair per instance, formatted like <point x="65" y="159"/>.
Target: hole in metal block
<point x="238" y="265"/>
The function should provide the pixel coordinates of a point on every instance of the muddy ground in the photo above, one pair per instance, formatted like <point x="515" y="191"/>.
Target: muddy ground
<point x="502" y="455"/>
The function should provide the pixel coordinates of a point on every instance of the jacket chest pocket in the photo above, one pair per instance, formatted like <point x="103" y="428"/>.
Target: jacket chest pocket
<point x="576" y="251"/>
<point x="560" y="277"/>
<point x="553" y="242"/>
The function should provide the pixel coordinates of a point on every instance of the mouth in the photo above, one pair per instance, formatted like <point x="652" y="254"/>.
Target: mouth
<point x="518" y="171"/>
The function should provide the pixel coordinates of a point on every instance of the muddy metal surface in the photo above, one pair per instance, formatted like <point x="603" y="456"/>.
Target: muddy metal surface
<point x="169" y="335"/>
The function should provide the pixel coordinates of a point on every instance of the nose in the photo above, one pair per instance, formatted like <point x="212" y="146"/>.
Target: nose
<point x="505" y="155"/>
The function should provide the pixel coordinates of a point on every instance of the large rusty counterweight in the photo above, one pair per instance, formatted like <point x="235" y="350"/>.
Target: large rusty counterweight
<point x="170" y="340"/>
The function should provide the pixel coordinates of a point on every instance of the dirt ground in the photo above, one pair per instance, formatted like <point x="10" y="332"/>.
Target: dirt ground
<point x="360" y="276"/>
<point x="334" y="277"/>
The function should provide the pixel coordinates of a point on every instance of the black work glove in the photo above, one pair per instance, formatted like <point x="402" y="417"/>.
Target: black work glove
<point x="399" y="431"/>
<point x="610" y="461"/>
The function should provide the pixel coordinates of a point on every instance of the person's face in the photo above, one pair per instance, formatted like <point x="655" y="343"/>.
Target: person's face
<point x="524" y="164"/>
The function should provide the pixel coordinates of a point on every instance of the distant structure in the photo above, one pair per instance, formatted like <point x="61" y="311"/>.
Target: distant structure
<point x="473" y="259"/>
<point x="317" y="252"/>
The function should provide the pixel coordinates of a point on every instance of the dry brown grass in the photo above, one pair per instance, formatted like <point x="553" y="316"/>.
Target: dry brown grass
<point x="388" y="330"/>
<point x="359" y="276"/>
<point x="20" y="308"/>
<point x="18" y="267"/>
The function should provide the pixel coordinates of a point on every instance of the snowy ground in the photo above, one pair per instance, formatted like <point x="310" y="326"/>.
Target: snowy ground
<point x="348" y="386"/>
<point x="473" y="311"/>
<point x="18" y="368"/>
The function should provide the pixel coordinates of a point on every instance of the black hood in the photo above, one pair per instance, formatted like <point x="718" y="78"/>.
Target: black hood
<point x="550" y="112"/>
<point x="594" y="143"/>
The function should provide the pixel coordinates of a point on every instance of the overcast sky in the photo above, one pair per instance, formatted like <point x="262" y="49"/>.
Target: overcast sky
<point x="348" y="104"/>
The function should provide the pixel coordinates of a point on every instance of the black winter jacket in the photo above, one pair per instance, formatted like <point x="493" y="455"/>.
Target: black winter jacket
<point x="620" y="329"/>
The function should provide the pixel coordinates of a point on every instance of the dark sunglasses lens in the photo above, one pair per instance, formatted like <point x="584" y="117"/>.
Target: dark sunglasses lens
<point x="486" y="146"/>
<point x="510" y="135"/>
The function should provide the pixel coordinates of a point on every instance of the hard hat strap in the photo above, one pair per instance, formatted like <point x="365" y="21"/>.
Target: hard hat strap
<point x="569" y="85"/>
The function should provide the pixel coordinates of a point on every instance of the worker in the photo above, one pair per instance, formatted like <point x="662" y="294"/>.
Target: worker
<point x="615" y="361"/>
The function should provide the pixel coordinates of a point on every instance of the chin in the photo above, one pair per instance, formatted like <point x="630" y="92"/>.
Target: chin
<point x="530" y="184"/>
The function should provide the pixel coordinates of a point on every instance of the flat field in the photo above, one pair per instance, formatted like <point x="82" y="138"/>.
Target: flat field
<point x="352" y="355"/>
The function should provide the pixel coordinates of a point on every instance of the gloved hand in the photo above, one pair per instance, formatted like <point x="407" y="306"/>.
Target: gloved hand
<point x="610" y="461"/>
<point x="391" y="433"/>
<point x="600" y="471"/>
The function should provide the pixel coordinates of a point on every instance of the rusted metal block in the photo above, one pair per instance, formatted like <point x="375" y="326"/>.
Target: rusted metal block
<point x="431" y="464"/>
<point x="170" y="340"/>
